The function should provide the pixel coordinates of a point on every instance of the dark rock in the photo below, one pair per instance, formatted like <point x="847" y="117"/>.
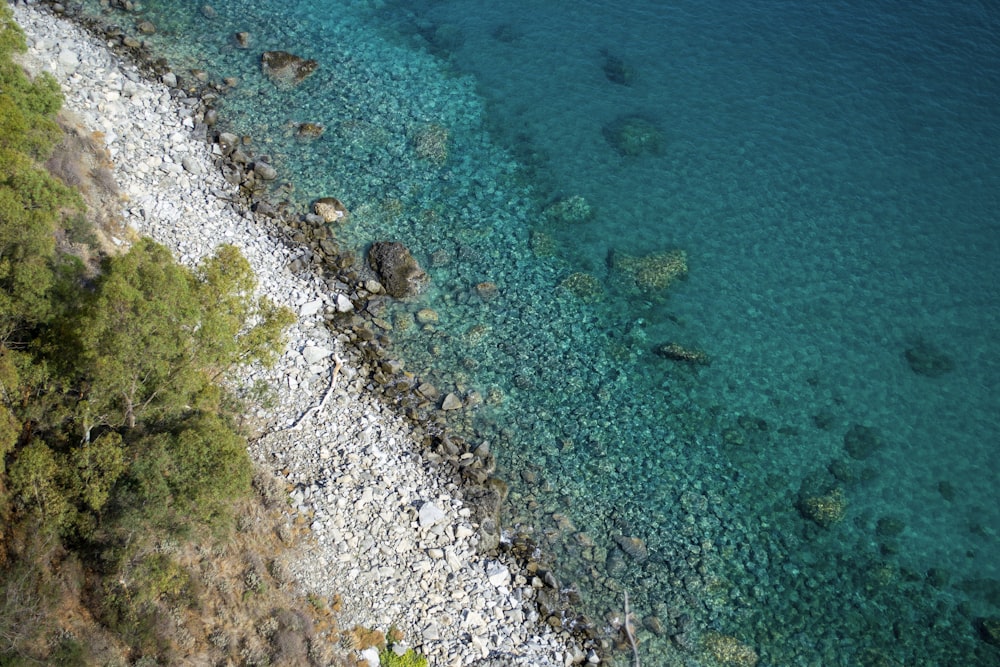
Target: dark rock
<point x="208" y="11"/>
<point x="228" y="142"/>
<point x="398" y="271"/>
<point x="616" y="70"/>
<point x="824" y="420"/>
<point x="926" y="359"/>
<point x="614" y="564"/>
<point x="947" y="490"/>
<point x="146" y="27"/>
<point x="889" y="527"/>
<point x="654" y="625"/>
<point x="937" y="577"/>
<point x="989" y="630"/>
<point x="860" y="442"/>
<point x="285" y="68"/>
<point x="242" y="39"/>
<point x="677" y="352"/>
<point x="634" y="135"/>
<point x="485" y="502"/>
<point x="505" y="33"/>
<point x="264" y="171"/>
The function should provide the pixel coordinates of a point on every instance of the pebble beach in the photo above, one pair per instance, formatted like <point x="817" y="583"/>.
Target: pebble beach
<point x="390" y="531"/>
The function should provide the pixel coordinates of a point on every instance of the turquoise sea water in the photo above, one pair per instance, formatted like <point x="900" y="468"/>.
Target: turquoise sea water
<point x="832" y="172"/>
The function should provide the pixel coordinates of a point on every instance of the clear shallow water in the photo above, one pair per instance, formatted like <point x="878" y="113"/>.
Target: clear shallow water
<point x="831" y="172"/>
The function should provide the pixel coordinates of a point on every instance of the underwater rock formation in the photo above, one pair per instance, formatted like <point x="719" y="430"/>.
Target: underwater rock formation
<point x="677" y="352"/>
<point x="926" y="359"/>
<point x="571" y="210"/>
<point x="285" y="68"/>
<point x="616" y="70"/>
<point x="826" y="509"/>
<point x="860" y="442"/>
<point x="634" y="135"/>
<point x="399" y="272"/>
<point x="582" y="285"/>
<point x="653" y="272"/>
<point x="330" y="209"/>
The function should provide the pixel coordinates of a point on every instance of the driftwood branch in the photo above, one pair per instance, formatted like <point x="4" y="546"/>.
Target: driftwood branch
<point x="628" y="633"/>
<point x="297" y="424"/>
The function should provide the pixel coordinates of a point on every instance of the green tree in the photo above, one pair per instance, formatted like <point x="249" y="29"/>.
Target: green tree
<point x="153" y="334"/>
<point x="34" y="481"/>
<point x="31" y="200"/>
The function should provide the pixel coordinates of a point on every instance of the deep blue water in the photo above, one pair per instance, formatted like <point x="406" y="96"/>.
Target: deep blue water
<point x="832" y="172"/>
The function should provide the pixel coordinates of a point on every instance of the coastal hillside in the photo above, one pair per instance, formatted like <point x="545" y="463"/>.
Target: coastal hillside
<point x="135" y="529"/>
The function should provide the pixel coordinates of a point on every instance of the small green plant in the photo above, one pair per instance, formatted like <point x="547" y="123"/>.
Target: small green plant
<point x="389" y="658"/>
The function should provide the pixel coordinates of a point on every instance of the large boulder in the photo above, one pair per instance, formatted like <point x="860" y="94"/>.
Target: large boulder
<point x="286" y="68"/>
<point x="398" y="271"/>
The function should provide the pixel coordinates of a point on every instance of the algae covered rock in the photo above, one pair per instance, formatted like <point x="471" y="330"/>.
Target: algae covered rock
<point x="582" y="285"/>
<point x="572" y="210"/>
<point x="678" y="352"/>
<point x="654" y="272"/>
<point x="398" y="271"/>
<point x="286" y="68"/>
<point x="729" y="651"/>
<point x="826" y="509"/>
<point x="430" y="143"/>
<point x="330" y="209"/>
<point x="634" y="135"/>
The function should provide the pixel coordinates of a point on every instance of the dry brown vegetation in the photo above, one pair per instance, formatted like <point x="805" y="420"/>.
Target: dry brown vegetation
<point x="226" y="600"/>
<point x="82" y="162"/>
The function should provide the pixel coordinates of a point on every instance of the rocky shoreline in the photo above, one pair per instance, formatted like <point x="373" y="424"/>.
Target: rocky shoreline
<point x="397" y="528"/>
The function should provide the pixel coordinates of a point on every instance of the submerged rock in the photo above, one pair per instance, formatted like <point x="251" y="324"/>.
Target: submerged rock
<point x="633" y="546"/>
<point x="634" y="135"/>
<point x="989" y="630"/>
<point x="286" y="68"/>
<point x="860" y="442"/>
<point x="310" y="130"/>
<point x="571" y="210"/>
<point x="729" y="651"/>
<point x="654" y="272"/>
<point x="926" y="359"/>
<point x="582" y="285"/>
<point x="400" y="274"/>
<point x="330" y="209"/>
<point x="616" y="70"/>
<point x="677" y="352"/>
<point x="825" y="510"/>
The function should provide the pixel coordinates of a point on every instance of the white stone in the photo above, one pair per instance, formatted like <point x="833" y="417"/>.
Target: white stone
<point x="370" y="656"/>
<point x="498" y="574"/>
<point x="429" y="514"/>
<point x="191" y="165"/>
<point x="344" y="304"/>
<point x="313" y="354"/>
<point x="310" y="308"/>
